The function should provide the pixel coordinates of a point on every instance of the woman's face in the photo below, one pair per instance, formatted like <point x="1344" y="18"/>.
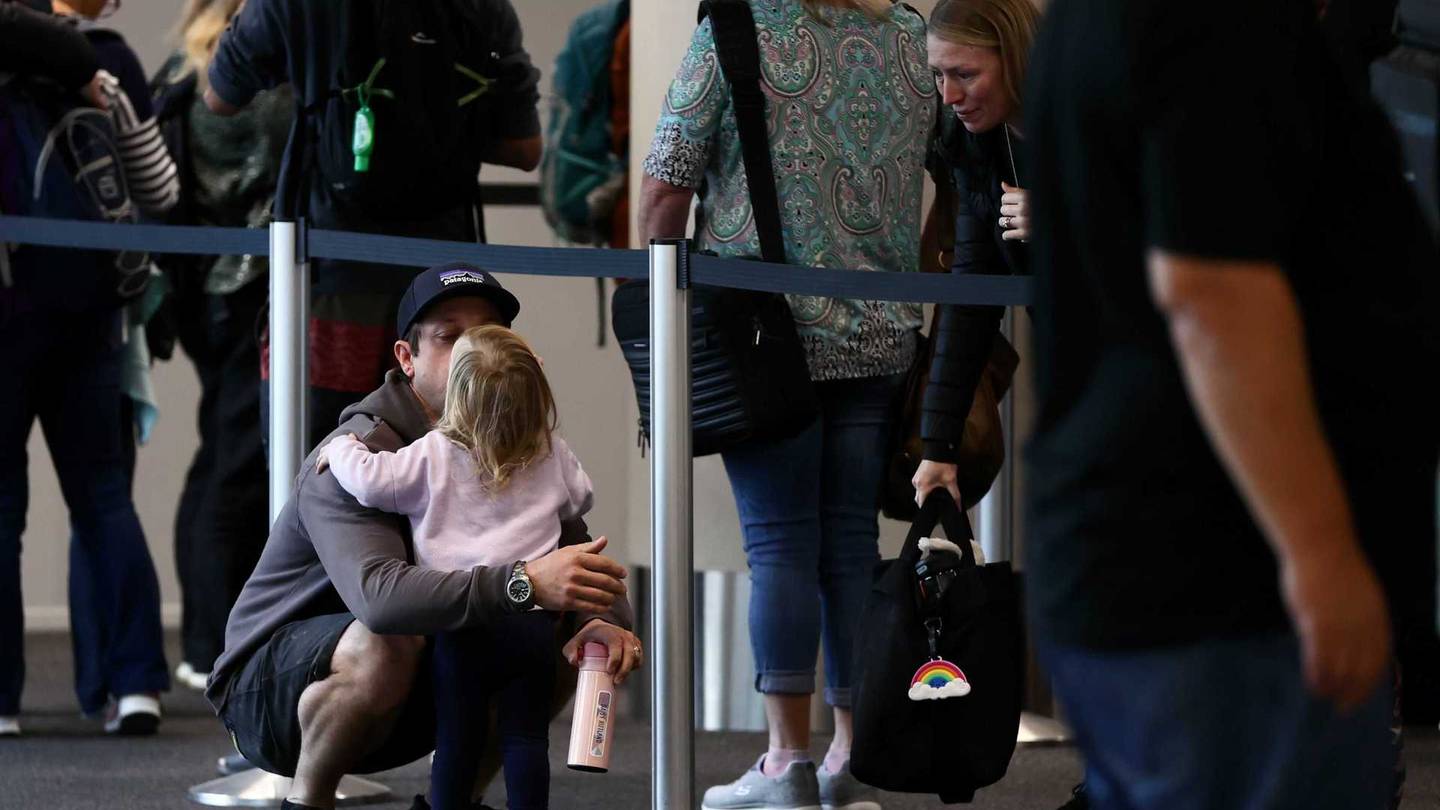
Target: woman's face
<point x="970" y="81"/>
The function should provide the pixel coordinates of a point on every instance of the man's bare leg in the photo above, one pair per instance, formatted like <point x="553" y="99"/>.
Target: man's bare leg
<point x="344" y="717"/>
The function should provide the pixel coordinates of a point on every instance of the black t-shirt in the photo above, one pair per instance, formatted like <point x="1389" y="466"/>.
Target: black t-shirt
<point x="1221" y="130"/>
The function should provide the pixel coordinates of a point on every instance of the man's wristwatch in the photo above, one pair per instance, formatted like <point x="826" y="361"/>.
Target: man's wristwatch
<point x="519" y="590"/>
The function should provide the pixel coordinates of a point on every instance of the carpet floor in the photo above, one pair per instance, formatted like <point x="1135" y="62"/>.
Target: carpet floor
<point x="65" y="761"/>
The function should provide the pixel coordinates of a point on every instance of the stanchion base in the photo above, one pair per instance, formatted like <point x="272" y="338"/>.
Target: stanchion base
<point x="257" y="788"/>
<point x="1037" y="729"/>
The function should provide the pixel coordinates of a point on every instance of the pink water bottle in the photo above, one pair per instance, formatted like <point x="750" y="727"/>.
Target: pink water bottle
<point x="594" y="725"/>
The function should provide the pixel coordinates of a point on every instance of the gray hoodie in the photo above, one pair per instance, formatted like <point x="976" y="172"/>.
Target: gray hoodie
<point x="329" y="554"/>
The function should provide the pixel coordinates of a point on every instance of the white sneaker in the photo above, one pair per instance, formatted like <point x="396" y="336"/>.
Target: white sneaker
<point x="188" y="677"/>
<point x="133" y="715"/>
<point x="9" y="727"/>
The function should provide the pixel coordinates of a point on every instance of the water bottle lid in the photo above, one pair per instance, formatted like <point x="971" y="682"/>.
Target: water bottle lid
<point x="594" y="649"/>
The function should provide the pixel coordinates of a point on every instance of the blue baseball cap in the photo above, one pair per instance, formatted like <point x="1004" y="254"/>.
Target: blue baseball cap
<point x="449" y="281"/>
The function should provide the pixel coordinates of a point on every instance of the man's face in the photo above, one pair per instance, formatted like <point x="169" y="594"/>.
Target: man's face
<point x="428" y="364"/>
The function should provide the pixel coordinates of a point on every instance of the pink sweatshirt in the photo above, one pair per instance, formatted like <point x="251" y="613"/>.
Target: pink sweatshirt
<point x="456" y="522"/>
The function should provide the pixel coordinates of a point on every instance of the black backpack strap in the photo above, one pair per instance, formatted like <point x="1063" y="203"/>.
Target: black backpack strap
<point x="739" y="57"/>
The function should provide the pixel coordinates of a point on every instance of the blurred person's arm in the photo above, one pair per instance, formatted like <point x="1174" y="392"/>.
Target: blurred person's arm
<point x="32" y="43"/>
<point x="1237" y="331"/>
<point x="1219" y="230"/>
<point x="517" y="97"/>
<point x="252" y="55"/>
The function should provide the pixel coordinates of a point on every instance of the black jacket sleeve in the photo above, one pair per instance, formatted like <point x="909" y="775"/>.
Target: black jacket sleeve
<point x="963" y="335"/>
<point x="36" y="44"/>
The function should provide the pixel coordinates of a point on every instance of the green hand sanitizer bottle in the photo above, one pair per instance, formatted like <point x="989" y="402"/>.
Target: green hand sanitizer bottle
<point x="362" y="142"/>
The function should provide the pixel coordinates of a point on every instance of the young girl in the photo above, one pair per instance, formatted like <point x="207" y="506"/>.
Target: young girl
<point x="489" y="485"/>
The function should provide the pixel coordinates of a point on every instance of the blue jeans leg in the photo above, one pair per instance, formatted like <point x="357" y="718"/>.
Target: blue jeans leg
<point x="114" y="592"/>
<point x="858" y="421"/>
<point x="1220" y="725"/>
<point x="808" y="509"/>
<point x="777" y="493"/>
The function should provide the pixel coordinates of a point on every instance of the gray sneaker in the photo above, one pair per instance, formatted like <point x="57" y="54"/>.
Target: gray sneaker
<point x="794" y="789"/>
<point x="842" y="791"/>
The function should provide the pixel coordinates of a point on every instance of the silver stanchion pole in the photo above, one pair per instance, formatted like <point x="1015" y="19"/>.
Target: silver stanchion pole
<point x="289" y="336"/>
<point x="289" y="348"/>
<point x="672" y="710"/>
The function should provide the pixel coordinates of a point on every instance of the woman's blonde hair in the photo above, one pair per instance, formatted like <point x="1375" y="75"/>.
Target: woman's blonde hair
<point x="201" y="24"/>
<point x="498" y="404"/>
<point x="1008" y="26"/>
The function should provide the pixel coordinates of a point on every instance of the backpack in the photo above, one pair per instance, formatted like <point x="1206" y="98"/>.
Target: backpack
<point x="61" y="159"/>
<point x="581" y="176"/>
<point x="406" y="110"/>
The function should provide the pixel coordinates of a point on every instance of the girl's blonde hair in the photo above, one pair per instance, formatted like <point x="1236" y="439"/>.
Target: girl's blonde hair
<point x="1008" y="26"/>
<point x="201" y="24"/>
<point x="498" y="404"/>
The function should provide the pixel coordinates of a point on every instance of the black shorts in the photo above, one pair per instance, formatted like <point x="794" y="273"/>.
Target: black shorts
<point x="262" y="710"/>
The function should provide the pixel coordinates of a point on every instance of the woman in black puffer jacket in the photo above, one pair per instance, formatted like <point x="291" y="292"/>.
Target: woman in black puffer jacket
<point x="978" y="51"/>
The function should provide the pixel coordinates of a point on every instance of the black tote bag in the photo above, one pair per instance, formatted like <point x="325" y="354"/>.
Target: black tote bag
<point x="942" y="723"/>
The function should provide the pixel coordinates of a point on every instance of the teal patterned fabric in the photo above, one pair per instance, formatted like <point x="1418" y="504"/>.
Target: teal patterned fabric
<point x="850" y="102"/>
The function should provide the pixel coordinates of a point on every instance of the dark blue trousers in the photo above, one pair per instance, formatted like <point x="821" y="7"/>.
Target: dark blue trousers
<point x="64" y="370"/>
<point x="509" y="665"/>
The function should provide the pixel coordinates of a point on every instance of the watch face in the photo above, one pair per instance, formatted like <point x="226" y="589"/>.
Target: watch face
<point x="519" y="590"/>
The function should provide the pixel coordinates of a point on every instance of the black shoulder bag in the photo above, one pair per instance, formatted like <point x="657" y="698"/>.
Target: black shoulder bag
<point x="750" y="379"/>
<point x="938" y="666"/>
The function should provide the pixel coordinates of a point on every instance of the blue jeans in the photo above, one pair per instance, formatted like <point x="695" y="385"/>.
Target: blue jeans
<point x="65" y="371"/>
<point x="1220" y="725"/>
<point x="808" y="507"/>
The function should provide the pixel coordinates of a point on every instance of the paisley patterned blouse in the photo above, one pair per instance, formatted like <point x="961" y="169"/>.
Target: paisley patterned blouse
<point x="850" y="107"/>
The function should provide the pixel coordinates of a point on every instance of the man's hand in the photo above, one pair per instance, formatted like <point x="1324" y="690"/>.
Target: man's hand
<point x="935" y="475"/>
<point x="626" y="654"/>
<point x="1339" y="612"/>
<point x="577" y="578"/>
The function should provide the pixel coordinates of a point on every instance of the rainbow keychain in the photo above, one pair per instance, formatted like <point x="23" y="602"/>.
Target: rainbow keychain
<point x="938" y="679"/>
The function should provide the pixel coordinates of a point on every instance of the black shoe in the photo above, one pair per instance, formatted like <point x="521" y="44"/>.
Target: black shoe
<point x="1078" y="800"/>
<point x="289" y="805"/>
